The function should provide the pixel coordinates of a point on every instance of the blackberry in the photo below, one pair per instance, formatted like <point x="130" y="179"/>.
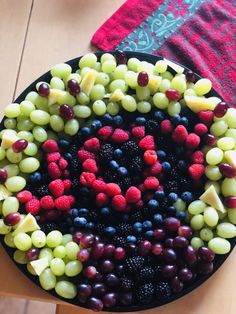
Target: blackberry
<point x="48" y="227"/>
<point x="130" y="149"/>
<point x="124" y="229"/>
<point x="171" y="158"/>
<point x="162" y="143"/>
<point x="93" y="215"/>
<point x="163" y="290"/>
<point x="125" y="183"/>
<point x="110" y="176"/>
<point x="119" y="241"/>
<point x="106" y="153"/>
<point x="171" y="186"/>
<point x="152" y="126"/>
<point x="164" y="204"/>
<point x="73" y="150"/>
<point x="42" y="190"/>
<point x="174" y="174"/>
<point x="148" y="213"/>
<point x="75" y="186"/>
<point x="74" y="165"/>
<point x="184" y="183"/>
<point x="126" y="284"/>
<point x="146" y="274"/>
<point x="99" y="228"/>
<point x="136" y="165"/>
<point x="134" y="264"/>
<point x="157" y="270"/>
<point x="136" y="216"/>
<point x="145" y="293"/>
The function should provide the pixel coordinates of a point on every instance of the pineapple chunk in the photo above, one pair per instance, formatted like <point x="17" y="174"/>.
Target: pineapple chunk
<point x="211" y="197"/>
<point x="230" y="156"/>
<point x="197" y="104"/>
<point x="154" y="83"/>
<point x="8" y="138"/>
<point x="40" y="265"/>
<point x="4" y="193"/>
<point x="176" y="67"/>
<point x="88" y="82"/>
<point x="54" y="95"/>
<point x="117" y="95"/>
<point x="29" y="224"/>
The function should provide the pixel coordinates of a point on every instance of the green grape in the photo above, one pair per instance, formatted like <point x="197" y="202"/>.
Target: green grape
<point x="57" y="83"/>
<point x="3" y="228"/>
<point x="82" y="111"/>
<point x="213" y="173"/>
<point x="73" y="76"/>
<point x="54" y="109"/>
<point x="29" y="165"/>
<point x="228" y="187"/>
<point x="129" y="103"/>
<point x="180" y="205"/>
<point x="120" y="71"/>
<point x="231" y="212"/>
<point x="71" y="127"/>
<point x="196" y="243"/>
<point x="218" y="128"/>
<point x="40" y="134"/>
<point x="165" y="85"/>
<point x="113" y="108"/>
<point x="160" y="100"/>
<point x="82" y="98"/>
<point x="144" y="106"/>
<point x="97" y="92"/>
<point x="9" y="123"/>
<point x="41" y="103"/>
<point x="12" y="110"/>
<point x="40" y="117"/>
<point x="66" y="239"/>
<point x="108" y="66"/>
<point x="230" y="118"/>
<point x="189" y="92"/>
<point x="20" y="257"/>
<point x="73" y="268"/>
<point x="31" y="269"/>
<point x="57" y="266"/>
<point x="131" y="79"/>
<point x="22" y="241"/>
<point x="167" y="75"/>
<point x="226" y="230"/>
<point x="161" y="66"/>
<point x="143" y="93"/>
<point x="202" y="86"/>
<point x="210" y="216"/>
<point x="214" y="156"/>
<point x="46" y="252"/>
<point x="215" y="184"/>
<point x="54" y="238"/>
<point x="26" y="135"/>
<point x="9" y="240"/>
<point x="56" y="123"/>
<point x="61" y="70"/>
<point x="10" y="205"/>
<point x="174" y="108"/>
<point x="88" y="60"/>
<point x="133" y="64"/>
<point x="206" y="234"/>
<point x="59" y="251"/>
<point x="179" y="84"/>
<point x="231" y="133"/>
<point x="219" y="245"/>
<point x="26" y="107"/>
<point x="31" y="96"/>
<point x="226" y="143"/>
<point x="2" y="153"/>
<point x="99" y="107"/>
<point x="12" y="170"/>
<point x="72" y="249"/>
<point x="146" y="67"/>
<point x="97" y="66"/>
<point x="66" y="98"/>
<point x="47" y="279"/>
<point x="25" y="125"/>
<point x="103" y="79"/>
<point x="197" y="222"/>
<point x="196" y="207"/>
<point x="118" y="84"/>
<point x="66" y="289"/>
<point x="38" y="238"/>
<point x="13" y="157"/>
<point x="31" y="150"/>
<point x="84" y="71"/>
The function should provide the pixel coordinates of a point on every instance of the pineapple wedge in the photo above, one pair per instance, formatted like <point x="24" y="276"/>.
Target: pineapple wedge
<point x="40" y="265"/>
<point x="176" y="67"/>
<point x="4" y="193"/>
<point x="211" y="197"/>
<point x="197" y="104"/>
<point x="154" y="83"/>
<point x="28" y="224"/>
<point x="88" y="82"/>
<point x="8" y="138"/>
<point x="117" y="95"/>
<point x="54" y="95"/>
<point x="230" y="156"/>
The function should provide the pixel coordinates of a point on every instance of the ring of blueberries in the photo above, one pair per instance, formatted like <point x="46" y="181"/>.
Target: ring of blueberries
<point x="118" y="181"/>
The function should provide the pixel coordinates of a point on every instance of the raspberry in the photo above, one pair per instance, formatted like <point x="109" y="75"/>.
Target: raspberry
<point x="99" y="186"/>
<point x="112" y="189"/>
<point x="133" y="195"/>
<point x="180" y="134"/>
<point x="50" y="146"/>
<point x="166" y="126"/>
<point x="155" y="169"/>
<point x="192" y="141"/>
<point x="147" y="142"/>
<point x="47" y="202"/>
<point x="62" y="203"/>
<point x="24" y="196"/>
<point x="63" y="163"/>
<point x="53" y="157"/>
<point x="54" y="171"/>
<point x="101" y="199"/>
<point x="52" y="215"/>
<point x="198" y="157"/>
<point x="200" y="129"/>
<point x="105" y="132"/>
<point x="90" y="165"/>
<point x="71" y="199"/>
<point x="33" y="206"/>
<point x="84" y="154"/>
<point x="196" y="171"/>
<point x="56" y="187"/>
<point x="87" y="178"/>
<point x="120" y="136"/>
<point x="138" y="131"/>
<point x="67" y="185"/>
<point x="119" y="203"/>
<point x="150" y="157"/>
<point x="206" y="117"/>
<point x="151" y="183"/>
<point x="65" y="173"/>
<point x="92" y="145"/>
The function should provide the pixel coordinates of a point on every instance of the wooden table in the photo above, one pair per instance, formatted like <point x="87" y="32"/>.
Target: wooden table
<point x="35" y="35"/>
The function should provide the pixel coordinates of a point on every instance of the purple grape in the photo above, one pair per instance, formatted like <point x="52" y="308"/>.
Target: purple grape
<point x="185" y="274"/>
<point x="95" y="304"/>
<point x="99" y="289"/>
<point x="176" y="284"/>
<point x="109" y="250"/>
<point x="119" y="270"/>
<point x="109" y="299"/>
<point x="84" y="290"/>
<point x="180" y="242"/>
<point x="44" y="90"/>
<point x="169" y="271"/>
<point x="126" y="298"/>
<point x="131" y="249"/>
<point x="172" y="224"/>
<point x="143" y="79"/>
<point x="206" y="254"/>
<point x="32" y="254"/>
<point x="204" y="268"/>
<point x="190" y="255"/>
<point x="97" y="250"/>
<point x="120" y="57"/>
<point x="87" y="240"/>
<point x="169" y="255"/>
<point x="66" y="112"/>
<point x="73" y="87"/>
<point x="169" y="243"/>
<point x="106" y="266"/>
<point x="112" y="280"/>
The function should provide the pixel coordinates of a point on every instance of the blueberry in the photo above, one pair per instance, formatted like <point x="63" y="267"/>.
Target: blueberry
<point x="125" y="217"/>
<point x="172" y="197"/>
<point x="181" y="164"/>
<point x="131" y="239"/>
<point x="187" y="196"/>
<point x="113" y="165"/>
<point x="171" y="210"/>
<point x="96" y="124"/>
<point x="159" y="195"/>
<point x="105" y="211"/>
<point x="80" y="221"/>
<point x="166" y="166"/>
<point x="123" y="171"/>
<point x="64" y="144"/>
<point x="149" y="235"/>
<point x="118" y="153"/>
<point x="68" y="156"/>
<point x="176" y="119"/>
<point x="84" y="191"/>
<point x="108" y="118"/>
<point x="184" y="121"/>
<point x="35" y="177"/>
<point x="159" y="116"/>
<point x="153" y="204"/>
<point x="138" y="227"/>
<point x="90" y="225"/>
<point x="158" y="219"/>
<point x="140" y="121"/>
<point x="147" y="225"/>
<point x="181" y="215"/>
<point x="161" y="154"/>
<point x="85" y="131"/>
<point x="74" y="212"/>
<point x="110" y="231"/>
<point x="118" y="120"/>
<point x="83" y="212"/>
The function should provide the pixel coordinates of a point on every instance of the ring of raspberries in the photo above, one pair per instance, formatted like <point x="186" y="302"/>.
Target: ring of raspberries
<point x="128" y="210"/>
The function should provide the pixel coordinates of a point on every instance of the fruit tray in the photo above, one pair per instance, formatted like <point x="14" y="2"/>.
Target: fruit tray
<point x="145" y="251"/>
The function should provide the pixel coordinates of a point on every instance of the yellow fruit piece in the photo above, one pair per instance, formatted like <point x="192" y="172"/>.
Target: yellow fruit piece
<point x="117" y="95"/>
<point x="28" y="224"/>
<point x="230" y="156"/>
<point x="211" y="197"/>
<point x="8" y="138"/>
<point x="40" y="265"/>
<point x="176" y="67"/>
<point x="54" y="95"/>
<point x="4" y="193"/>
<point x="197" y="104"/>
<point x="88" y="82"/>
<point x="154" y="83"/>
